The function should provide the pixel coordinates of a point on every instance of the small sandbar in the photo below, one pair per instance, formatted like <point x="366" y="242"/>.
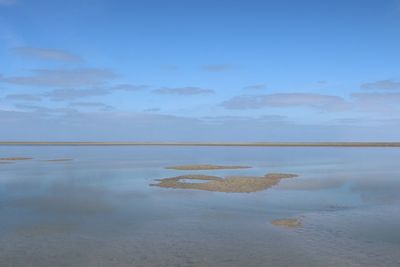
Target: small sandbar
<point x="5" y="162"/>
<point x="205" y="167"/>
<point x="58" y="160"/>
<point x="289" y="223"/>
<point x="230" y="184"/>
<point x="15" y="158"/>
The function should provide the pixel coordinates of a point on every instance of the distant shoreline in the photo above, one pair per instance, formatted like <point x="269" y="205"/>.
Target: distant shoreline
<point x="221" y="144"/>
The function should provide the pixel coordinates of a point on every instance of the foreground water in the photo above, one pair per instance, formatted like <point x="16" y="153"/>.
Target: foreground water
<point x="99" y="210"/>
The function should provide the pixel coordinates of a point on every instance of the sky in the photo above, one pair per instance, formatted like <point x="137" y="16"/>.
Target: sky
<point x="185" y="70"/>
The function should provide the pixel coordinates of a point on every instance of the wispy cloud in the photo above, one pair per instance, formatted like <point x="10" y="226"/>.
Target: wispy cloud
<point x="169" y="67"/>
<point x="128" y="87"/>
<point x="310" y="100"/>
<point x="183" y="91"/>
<point x="258" y="86"/>
<point x="47" y="54"/>
<point x="243" y="119"/>
<point x="98" y="105"/>
<point x="67" y="123"/>
<point x="152" y="110"/>
<point x="217" y="67"/>
<point x="8" y="2"/>
<point x="24" y="97"/>
<point x="42" y="110"/>
<point x="381" y="102"/>
<point x="72" y="94"/>
<point x="63" y="77"/>
<point x="381" y="85"/>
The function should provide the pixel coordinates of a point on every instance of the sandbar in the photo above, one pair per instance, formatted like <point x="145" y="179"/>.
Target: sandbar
<point x="206" y="167"/>
<point x="290" y="223"/>
<point x="252" y="144"/>
<point x="230" y="184"/>
<point x="58" y="160"/>
<point x="15" y="158"/>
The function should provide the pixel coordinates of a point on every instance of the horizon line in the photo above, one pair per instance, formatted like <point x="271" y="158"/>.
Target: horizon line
<point x="227" y="144"/>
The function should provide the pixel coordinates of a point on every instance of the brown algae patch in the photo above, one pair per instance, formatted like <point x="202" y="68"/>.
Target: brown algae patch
<point x="231" y="184"/>
<point x="205" y="167"/>
<point x="15" y="158"/>
<point x="289" y="223"/>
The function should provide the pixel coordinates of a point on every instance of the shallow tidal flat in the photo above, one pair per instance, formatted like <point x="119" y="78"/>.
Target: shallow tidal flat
<point x="293" y="207"/>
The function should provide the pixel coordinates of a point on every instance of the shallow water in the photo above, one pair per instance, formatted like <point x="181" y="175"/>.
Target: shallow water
<point x="99" y="210"/>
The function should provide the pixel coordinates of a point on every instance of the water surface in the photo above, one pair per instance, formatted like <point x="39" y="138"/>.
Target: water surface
<point x="99" y="210"/>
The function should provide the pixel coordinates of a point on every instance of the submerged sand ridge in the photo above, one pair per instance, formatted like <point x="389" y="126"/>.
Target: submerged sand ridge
<point x="206" y="167"/>
<point x="58" y="160"/>
<point x="231" y="184"/>
<point x="15" y="158"/>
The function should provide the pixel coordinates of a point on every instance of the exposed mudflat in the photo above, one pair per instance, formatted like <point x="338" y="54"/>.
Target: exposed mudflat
<point x="206" y="167"/>
<point x="232" y="184"/>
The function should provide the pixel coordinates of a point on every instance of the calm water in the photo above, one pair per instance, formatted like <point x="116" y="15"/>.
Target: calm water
<point x="99" y="210"/>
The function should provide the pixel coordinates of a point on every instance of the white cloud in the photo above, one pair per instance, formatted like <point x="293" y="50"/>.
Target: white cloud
<point x="47" y="54"/>
<point x="381" y="85"/>
<point x="98" y="105"/>
<point x="63" y="77"/>
<point x="69" y="124"/>
<point x="310" y="100"/>
<point x="71" y="94"/>
<point x="128" y="87"/>
<point x="256" y="86"/>
<point x="183" y="91"/>
<point x="23" y="97"/>
<point x="169" y="67"/>
<point x="217" y="67"/>
<point x="8" y="2"/>
<point x="380" y="102"/>
<point x="152" y="110"/>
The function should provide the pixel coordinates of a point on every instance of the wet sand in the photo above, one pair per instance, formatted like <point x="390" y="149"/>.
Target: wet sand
<point x="206" y="167"/>
<point x="230" y="184"/>
<point x="289" y="223"/>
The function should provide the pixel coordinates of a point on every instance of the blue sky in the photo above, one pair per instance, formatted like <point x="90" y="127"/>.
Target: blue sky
<point x="200" y="70"/>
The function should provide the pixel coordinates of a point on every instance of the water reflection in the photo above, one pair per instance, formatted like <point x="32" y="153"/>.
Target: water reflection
<point x="98" y="209"/>
<point x="67" y="198"/>
<point x="373" y="189"/>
